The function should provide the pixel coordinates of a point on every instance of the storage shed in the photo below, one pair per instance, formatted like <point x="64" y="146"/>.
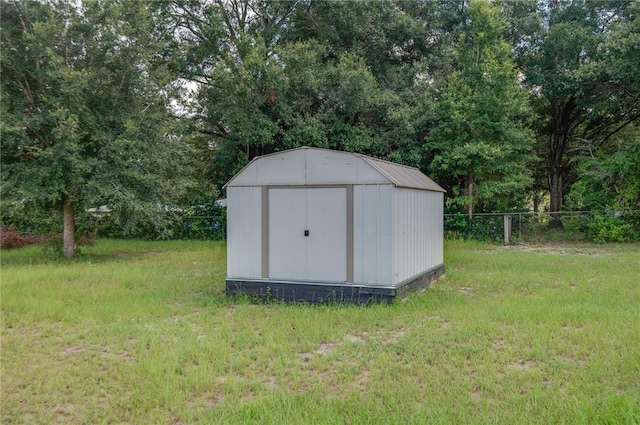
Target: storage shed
<point x="320" y="225"/>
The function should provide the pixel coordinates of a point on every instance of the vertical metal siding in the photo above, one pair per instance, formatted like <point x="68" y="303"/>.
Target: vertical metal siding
<point x="372" y="234"/>
<point x="244" y="232"/>
<point x="436" y="228"/>
<point x="417" y="232"/>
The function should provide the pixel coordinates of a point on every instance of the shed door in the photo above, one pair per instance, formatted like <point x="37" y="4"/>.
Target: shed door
<point x="308" y="234"/>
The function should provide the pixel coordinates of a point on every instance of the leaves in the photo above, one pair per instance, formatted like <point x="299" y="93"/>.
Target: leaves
<point x="85" y="111"/>
<point x="573" y="62"/>
<point x="137" y="104"/>
<point x="481" y="138"/>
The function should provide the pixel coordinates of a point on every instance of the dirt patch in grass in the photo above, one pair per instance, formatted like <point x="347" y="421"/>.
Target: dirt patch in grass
<point x="521" y="365"/>
<point x="319" y="367"/>
<point x="476" y="394"/>
<point x="466" y="290"/>
<point x="394" y="337"/>
<point x="104" y="352"/>
<point x="358" y="339"/>
<point x="72" y="350"/>
<point x="323" y="350"/>
<point x="362" y="381"/>
<point x="64" y="412"/>
<point x="443" y="322"/>
<point x="206" y="401"/>
<point x="498" y="345"/>
<point x="560" y="249"/>
<point x="327" y="347"/>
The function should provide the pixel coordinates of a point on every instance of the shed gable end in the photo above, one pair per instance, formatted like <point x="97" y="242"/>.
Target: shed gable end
<point x="312" y="166"/>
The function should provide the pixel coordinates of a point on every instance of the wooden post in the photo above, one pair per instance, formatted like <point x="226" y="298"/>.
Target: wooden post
<point x="68" y="231"/>
<point x="507" y="229"/>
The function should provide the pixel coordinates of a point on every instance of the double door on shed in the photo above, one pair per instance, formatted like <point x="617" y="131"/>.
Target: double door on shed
<point x="307" y="233"/>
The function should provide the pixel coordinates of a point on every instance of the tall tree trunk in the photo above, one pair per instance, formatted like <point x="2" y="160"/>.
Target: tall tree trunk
<point x="555" y="192"/>
<point x="69" y="231"/>
<point x="563" y="116"/>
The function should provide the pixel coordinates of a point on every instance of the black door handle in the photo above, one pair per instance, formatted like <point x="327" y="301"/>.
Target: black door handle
<point x="306" y="233"/>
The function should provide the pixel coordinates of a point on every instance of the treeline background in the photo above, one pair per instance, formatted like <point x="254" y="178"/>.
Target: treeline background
<point x="149" y="107"/>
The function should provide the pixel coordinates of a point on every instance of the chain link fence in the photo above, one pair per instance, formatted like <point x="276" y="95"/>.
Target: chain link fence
<point x="522" y="227"/>
<point x="508" y="228"/>
<point x="212" y="227"/>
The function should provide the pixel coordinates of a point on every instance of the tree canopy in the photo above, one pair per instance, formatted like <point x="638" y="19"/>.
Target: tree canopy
<point x="481" y="145"/>
<point x="577" y="58"/>
<point x="84" y="113"/>
<point x="148" y="106"/>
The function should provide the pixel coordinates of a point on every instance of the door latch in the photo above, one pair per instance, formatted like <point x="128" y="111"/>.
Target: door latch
<point x="306" y="233"/>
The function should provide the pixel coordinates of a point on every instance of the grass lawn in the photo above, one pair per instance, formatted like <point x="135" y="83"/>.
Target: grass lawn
<point x="141" y="332"/>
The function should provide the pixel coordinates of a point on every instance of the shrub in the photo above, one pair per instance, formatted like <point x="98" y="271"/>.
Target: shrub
<point x="204" y="221"/>
<point x="10" y="238"/>
<point x="601" y="229"/>
<point x="482" y="228"/>
<point x="632" y="218"/>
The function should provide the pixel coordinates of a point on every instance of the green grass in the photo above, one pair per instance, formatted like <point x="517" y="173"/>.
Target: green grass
<point x="140" y="332"/>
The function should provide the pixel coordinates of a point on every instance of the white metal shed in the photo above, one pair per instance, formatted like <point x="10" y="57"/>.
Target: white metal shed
<point x="320" y="225"/>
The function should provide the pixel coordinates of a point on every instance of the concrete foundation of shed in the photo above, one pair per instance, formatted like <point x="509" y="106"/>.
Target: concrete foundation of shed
<point x="330" y="292"/>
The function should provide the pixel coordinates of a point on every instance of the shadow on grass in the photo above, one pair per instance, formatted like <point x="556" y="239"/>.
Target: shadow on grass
<point x="43" y="255"/>
<point x="103" y="250"/>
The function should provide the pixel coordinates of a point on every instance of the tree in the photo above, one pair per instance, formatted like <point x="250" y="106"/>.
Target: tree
<point x="265" y="85"/>
<point x="343" y="75"/>
<point x="579" y="62"/>
<point x="405" y="45"/>
<point x="608" y="178"/>
<point x="481" y="147"/>
<point x="225" y="51"/>
<point x="84" y="106"/>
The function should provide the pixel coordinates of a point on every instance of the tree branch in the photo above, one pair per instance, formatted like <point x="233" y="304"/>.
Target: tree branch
<point x="26" y="89"/>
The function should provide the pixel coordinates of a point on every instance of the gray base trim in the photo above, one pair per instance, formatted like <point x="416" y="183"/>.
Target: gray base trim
<point x="330" y="292"/>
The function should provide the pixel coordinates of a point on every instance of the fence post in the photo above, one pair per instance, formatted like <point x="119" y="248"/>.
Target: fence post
<point x="507" y="229"/>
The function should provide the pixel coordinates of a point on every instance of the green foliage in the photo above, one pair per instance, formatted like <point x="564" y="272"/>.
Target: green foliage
<point x="481" y="146"/>
<point x="621" y="226"/>
<point x="204" y="221"/>
<point x="577" y="59"/>
<point x="328" y="74"/>
<point x="608" y="177"/>
<point x="291" y="98"/>
<point x="480" y="228"/>
<point x="455" y="223"/>
<point x="84" y="111"/>
<point x="90" y="94"/>
<point x="28" y="218"/>
<point x="609" y="228"/>
<point x="425" y="84"/>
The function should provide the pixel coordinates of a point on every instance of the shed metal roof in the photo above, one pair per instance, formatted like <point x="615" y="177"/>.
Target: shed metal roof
<point x="325" y="161"/>
<point x="403" y="175"/>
